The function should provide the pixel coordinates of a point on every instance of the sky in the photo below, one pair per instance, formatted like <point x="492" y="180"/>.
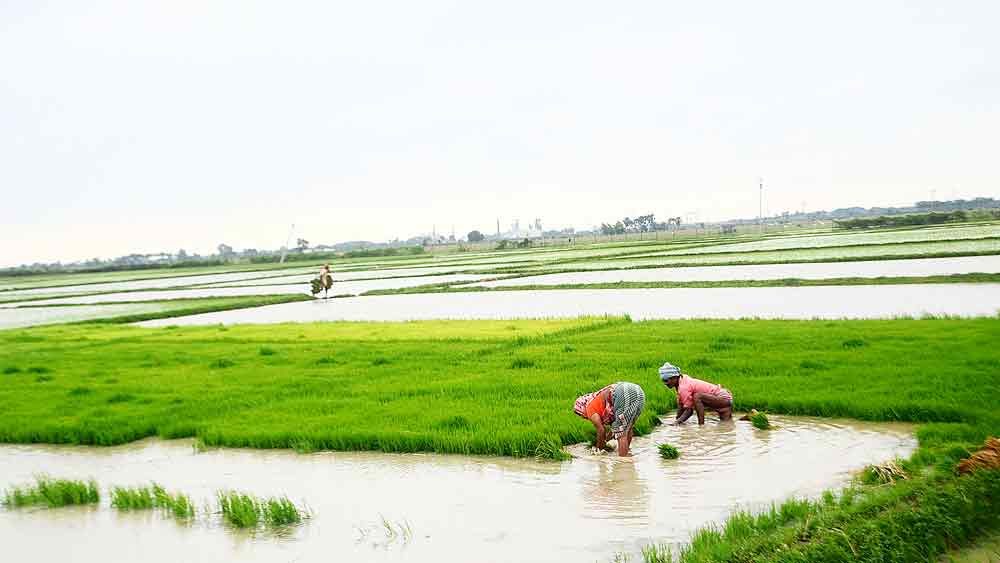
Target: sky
<point x="159" y="125"/>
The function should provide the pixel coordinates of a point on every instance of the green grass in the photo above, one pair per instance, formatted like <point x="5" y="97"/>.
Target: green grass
<point x="177" y="504"/>
<point x="242" y="510"/>
<point x="53" y="493"/>
<point x="668" y="452"/>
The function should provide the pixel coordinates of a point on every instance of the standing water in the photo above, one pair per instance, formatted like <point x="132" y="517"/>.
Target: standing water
<point x="441" y="508"/>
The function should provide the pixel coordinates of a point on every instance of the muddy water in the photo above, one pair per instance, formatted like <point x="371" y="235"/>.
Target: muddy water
<point x="20" y="318"/>
<point x="457" y="508"/>
<point x="869" y="269"/>
<point x="826" y="302"/>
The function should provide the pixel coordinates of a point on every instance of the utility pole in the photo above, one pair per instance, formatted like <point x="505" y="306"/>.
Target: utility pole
<point x="760" y="209"/>
<point x="288" y="241"/>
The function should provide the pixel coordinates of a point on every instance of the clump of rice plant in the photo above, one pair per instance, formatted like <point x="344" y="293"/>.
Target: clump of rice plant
<point x="668" y="452"/>
<point x="43" y="378"/>
<point x="760" y="421"/>
<point x="521" y="363"/>
<point x="53" y="493"/>
<point x="246" y="511"/>
<point x="39" y="369"/>
<point x="854" y="343"/>
<point x="10" y="370"/>
<point x="380" y="361"/>
<point x="267" y="351"/>
<point x="80" y="391"/>
<point x="657" y="553"/>
<point x="132" y="498"/>
<point x="280" y="512"/>
<point x="178" y="504"/>
<point x="222" y="363"/>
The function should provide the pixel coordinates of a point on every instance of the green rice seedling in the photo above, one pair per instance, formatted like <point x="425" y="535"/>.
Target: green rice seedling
<point x="132" y="498"/>
<point x="280" y="512"/>
<point x="80" y="391"/>
<point x="178" y="504"/>
<point x="239" y="510"/>
<point x="10" y="370"/>
<point x="121" y="398"/>
<point x="54" y="493"/>
<point x="668" y="451"/>
<point x="522" y="363"/>
<point x="380" y="361"/>
<point x="242" y="510"/>
<point x="760" y="421"/>
<point x="267" y="351"/>
<point x="39" y="369"/>
<point x="222" y="363"/>
<point x="854" y="343"/>
<point x="657" y="553"/>
<point x="43" y="378"/>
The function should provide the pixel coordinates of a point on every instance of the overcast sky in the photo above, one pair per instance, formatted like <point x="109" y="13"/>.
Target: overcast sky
<point x="151" y="126"/>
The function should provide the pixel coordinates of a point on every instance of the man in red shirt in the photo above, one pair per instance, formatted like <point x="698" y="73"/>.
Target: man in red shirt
<point x="693" y="395"/>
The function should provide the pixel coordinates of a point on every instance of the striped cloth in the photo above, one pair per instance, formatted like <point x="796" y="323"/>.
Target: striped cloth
<point x="628" y="400"/>
<point x="669" y="370"/>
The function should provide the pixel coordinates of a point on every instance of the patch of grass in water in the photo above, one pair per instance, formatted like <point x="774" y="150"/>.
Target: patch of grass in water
<point x="53" y="493"/>
<point x="132" y="498"/>
<point x="760" y="421"/>
<point x="668" y="451"/>
<point x="177" y="504"/>
<point x="242" y="510"/>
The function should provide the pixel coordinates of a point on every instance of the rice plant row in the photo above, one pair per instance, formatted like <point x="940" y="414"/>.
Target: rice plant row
<point x="240" y="510"/>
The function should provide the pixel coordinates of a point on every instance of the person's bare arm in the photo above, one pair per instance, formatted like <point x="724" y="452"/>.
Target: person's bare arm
<point x="683" y="415"/>
<point x="595" y="419"/>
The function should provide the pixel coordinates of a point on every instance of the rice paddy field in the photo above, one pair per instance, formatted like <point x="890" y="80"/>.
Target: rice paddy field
<point x="896" y="362"/>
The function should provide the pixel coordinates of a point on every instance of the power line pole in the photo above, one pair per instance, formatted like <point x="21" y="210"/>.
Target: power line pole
<point x="760" y="208"/>
<point x="288" y="241"/>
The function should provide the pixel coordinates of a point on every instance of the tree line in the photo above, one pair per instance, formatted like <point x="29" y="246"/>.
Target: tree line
<point x="641" y="224"/>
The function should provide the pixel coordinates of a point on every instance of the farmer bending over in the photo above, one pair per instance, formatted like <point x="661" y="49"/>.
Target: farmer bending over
<point x="693" y="395"/>
<point x="619" y="405"/>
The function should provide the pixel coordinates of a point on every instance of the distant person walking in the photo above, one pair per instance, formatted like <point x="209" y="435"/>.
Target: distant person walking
<point x="617" y="405"/>
<point x="325" y="279"/>
<point x="693" y="395"/>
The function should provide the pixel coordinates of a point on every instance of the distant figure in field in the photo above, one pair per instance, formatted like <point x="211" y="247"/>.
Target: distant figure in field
<point x="325" y="279"/>
<point x="617" y="405"/>
<point x="693" y="395"/>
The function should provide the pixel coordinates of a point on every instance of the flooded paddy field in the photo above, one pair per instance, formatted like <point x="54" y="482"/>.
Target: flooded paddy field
<point x="830" y="254"/>
<point x="825" y="302"/>
<point x="819" y="270"/>
<point x="454" y="508"/>
<point x="25" y="317"/>
<point x="341" y="288"/>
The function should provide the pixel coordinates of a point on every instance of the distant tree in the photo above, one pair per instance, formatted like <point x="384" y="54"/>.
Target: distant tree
<point x="182" y="254"/>
<point x="301" y="244"/>
<point x="225" y="250"/>
<point x="475" y="236"/>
